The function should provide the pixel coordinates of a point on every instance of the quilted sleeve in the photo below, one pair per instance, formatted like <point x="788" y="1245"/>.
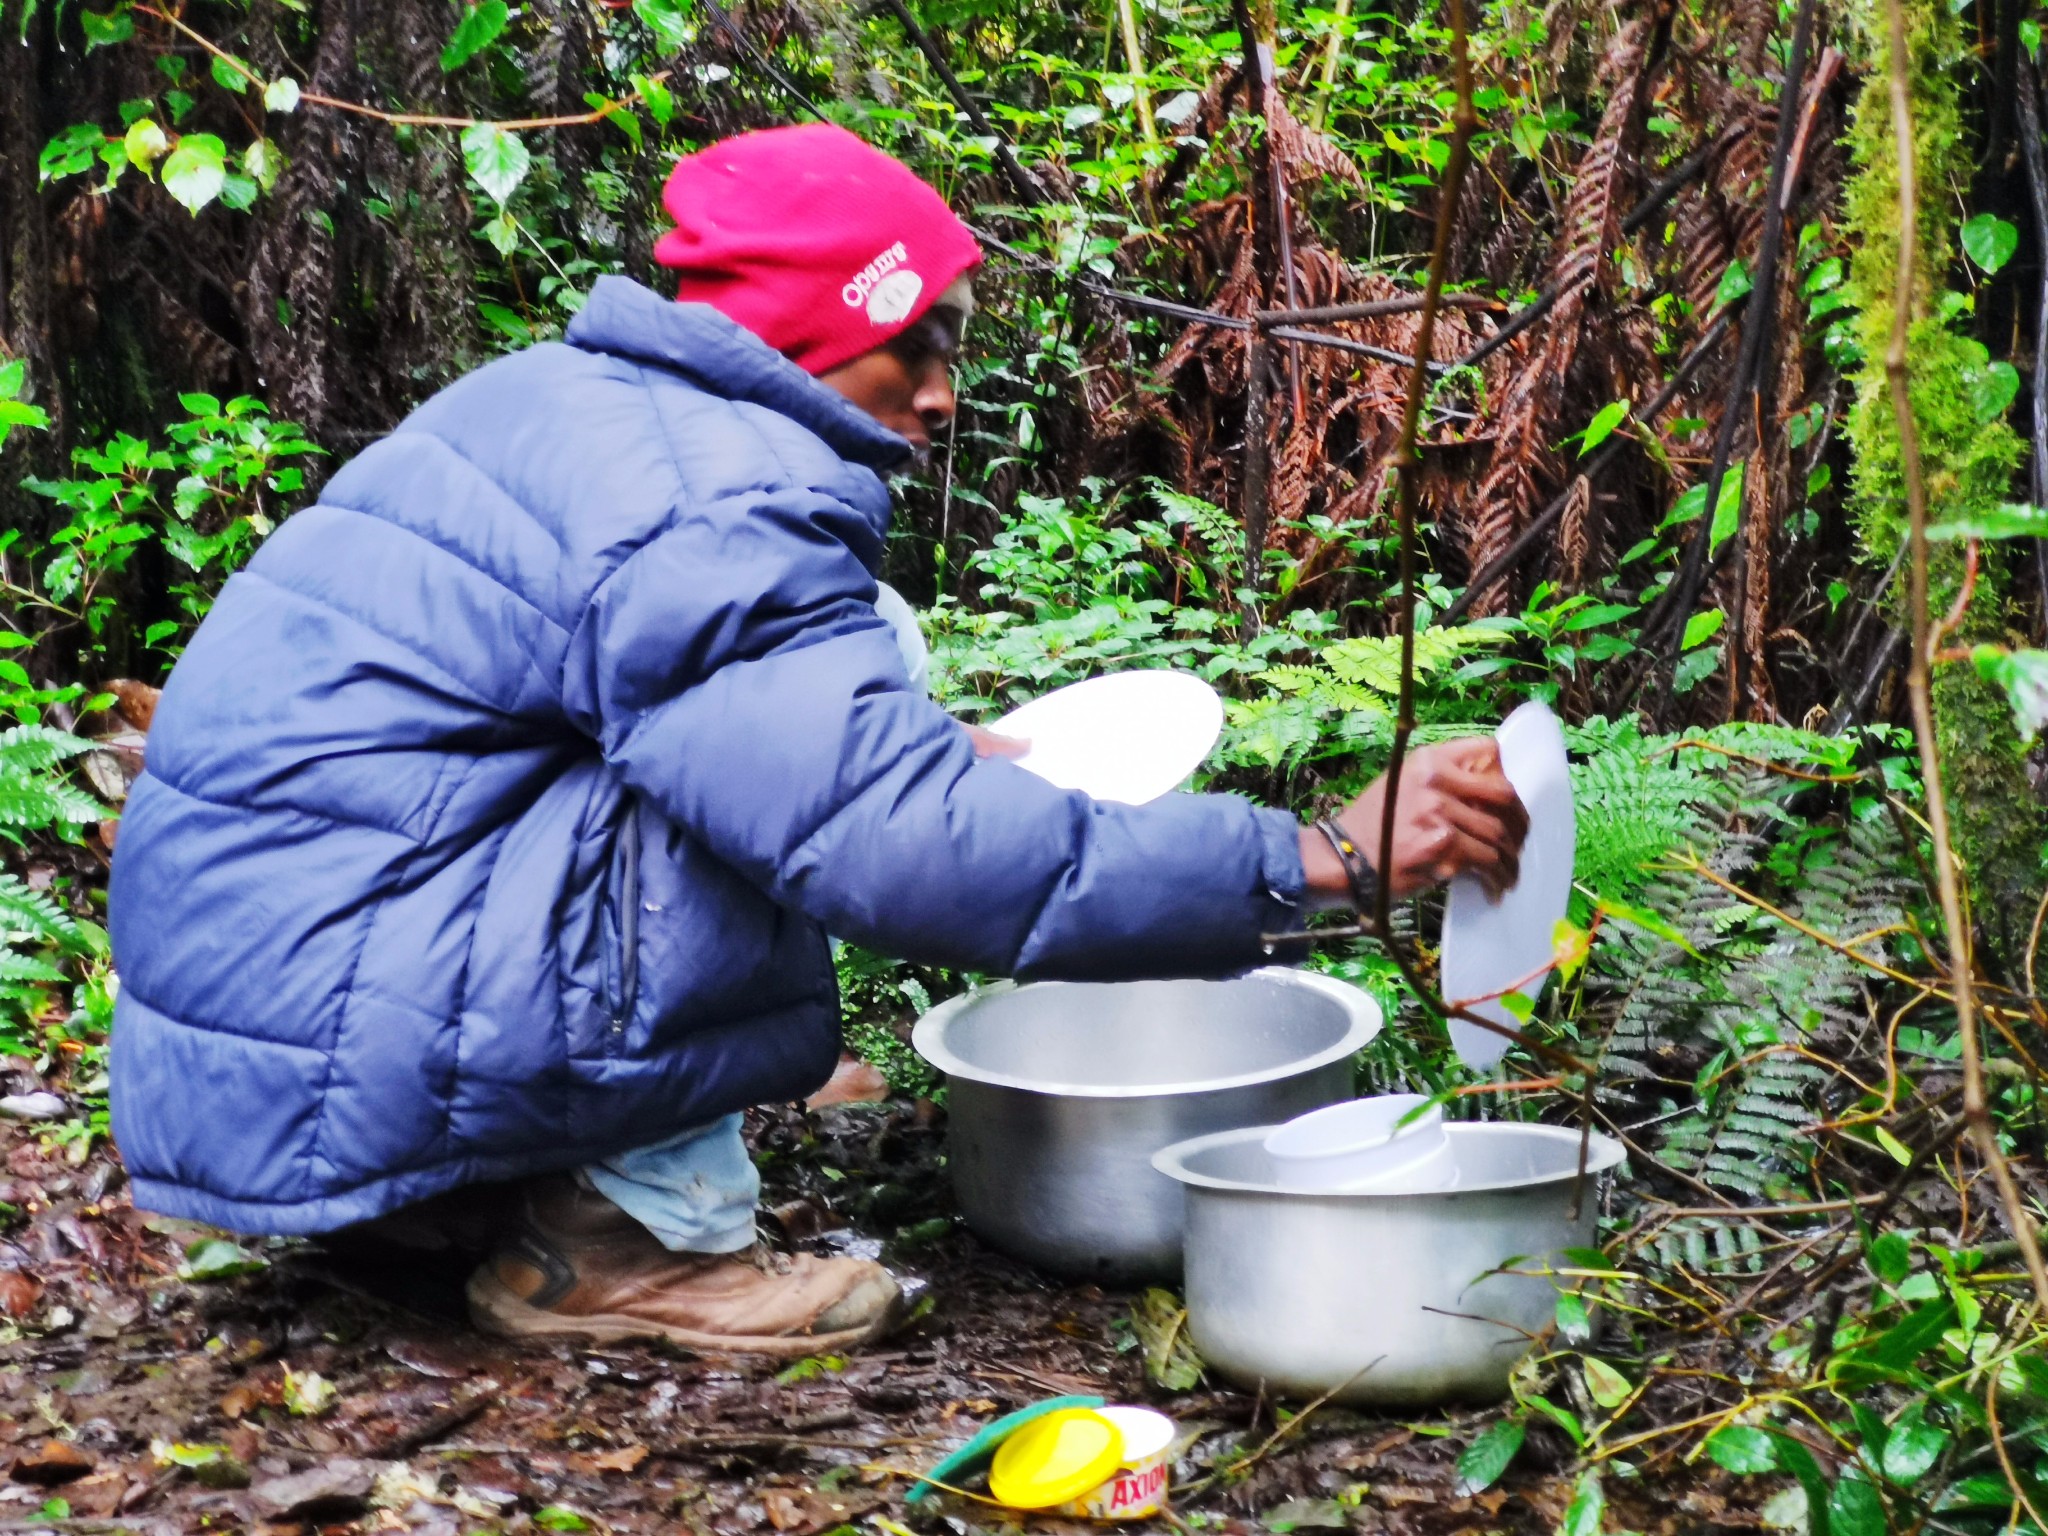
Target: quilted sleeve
<point x="736" y="672"/>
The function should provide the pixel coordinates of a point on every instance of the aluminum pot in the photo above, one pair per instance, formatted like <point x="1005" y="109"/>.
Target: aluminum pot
<point x="1061" y="1092"/>
<point x="1382" y="1298"/>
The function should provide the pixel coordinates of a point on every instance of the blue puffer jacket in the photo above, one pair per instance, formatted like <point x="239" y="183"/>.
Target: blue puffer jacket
<point x="496" y="815"/>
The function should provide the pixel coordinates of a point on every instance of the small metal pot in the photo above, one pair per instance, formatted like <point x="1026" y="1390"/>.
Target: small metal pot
<point x="1060" y="1093"/>
<point x="1382" y="1298"/>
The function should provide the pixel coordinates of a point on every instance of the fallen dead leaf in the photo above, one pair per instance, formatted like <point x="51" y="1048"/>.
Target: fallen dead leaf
<point x="853" y="1081"/>
<point x="626" y="1458"/>
<point x="802" y="1511"/>
<point x="19" y="1293"/>
<point x="58" y="1461"/>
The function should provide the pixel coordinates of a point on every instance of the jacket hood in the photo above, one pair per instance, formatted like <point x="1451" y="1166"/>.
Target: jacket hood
<point x="624" y="319"/>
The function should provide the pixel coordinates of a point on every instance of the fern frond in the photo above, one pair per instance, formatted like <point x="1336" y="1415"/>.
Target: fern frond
<point x="30" y="749"/>
<point x="28" y="915"/>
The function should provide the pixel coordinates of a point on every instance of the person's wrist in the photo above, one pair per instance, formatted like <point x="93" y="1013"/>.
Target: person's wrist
<point x="1325" y="884"/>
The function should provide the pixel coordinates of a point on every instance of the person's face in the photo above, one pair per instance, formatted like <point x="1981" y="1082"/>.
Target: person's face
<point x="907" y="384"/>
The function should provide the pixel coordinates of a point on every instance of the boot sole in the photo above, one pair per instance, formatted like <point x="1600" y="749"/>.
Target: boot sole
<point x="497" y="1310"/>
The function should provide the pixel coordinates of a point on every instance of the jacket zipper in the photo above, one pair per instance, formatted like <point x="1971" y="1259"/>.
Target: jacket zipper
<point x="629" y="924"/>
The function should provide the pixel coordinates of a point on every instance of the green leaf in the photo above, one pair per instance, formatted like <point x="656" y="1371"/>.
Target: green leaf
<point x="1527" y="135"/>
<point x="1588" y="1509"/>
<point x="1913" y="1446"/>
<point x="1602" y="426"/>
<point x="215" y="1258"/>
<point x="2024" y="677"/>
<point x="1993" y="391"/>
<point x="1743" y="1448"/>
<point x="1160" y="1322"/>
<point x="307" y="1393"/>
<point x="1649" y="922"/>
<point x="1856" y="1508"/>
<point x="1727" y="508"/>
<point x="1794" y="1456"/>
<point x="145" y="142"/>
<point x="105" y="28"/>
<point x="478" y="29"/>
<point x="661" y="101"/>
<point x="1702" y="627"/>
<point x="195" y="170"/>
<point x="560" y="1517"/>
<point x="1735" y="282"/>
<point x="1609" y="1387"/>
<point x="1889" y="1257"/>
<point x="2013" y="520"/>
<point x="281" y="95"/>
<point x="231" y="73"/>
<point x="502" y="232"/>
<point x="1989" y="241"/>
<point x="2030" y="34"/>
<point x="264" y="163"/>
<point x="497" y="159"/>
<point x="1486" y="1458"/>
<point x="668" y="21"/>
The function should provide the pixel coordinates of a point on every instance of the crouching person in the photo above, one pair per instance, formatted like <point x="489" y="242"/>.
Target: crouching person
<point x="495" y="818"/>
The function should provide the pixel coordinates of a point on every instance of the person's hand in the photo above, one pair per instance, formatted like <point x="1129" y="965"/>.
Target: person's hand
<point x="1456" y="814"/>
<point x="988" y="744"/>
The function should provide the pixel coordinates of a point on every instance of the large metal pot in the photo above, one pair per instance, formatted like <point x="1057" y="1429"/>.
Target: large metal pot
<point x="1060" y="1092"/>
<point x="1383" y="1298"/>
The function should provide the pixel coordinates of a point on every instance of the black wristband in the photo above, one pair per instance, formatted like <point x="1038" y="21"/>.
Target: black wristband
<point x="1358" y="872"/>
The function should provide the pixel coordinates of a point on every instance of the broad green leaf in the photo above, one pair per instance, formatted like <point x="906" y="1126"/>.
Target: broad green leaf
<point x="1602" y="426"/>
<point x="1993" y="391"/>
<point x="1913" y="1446"/>
<point x="195" y="170"/>
<point x="1574" y="1323"/>
<point x="502" y="232"/>
<point x="1563" y="1418"/>
<point x="1905" y="1342"/>
<point x="1794" y="1457"/>
<point x="1735" y="282"/>
<point x="215" y="1258"/>
<point x="231" y="73"/>
<point x="668" y="21"/>
<point x="661" y="101"/>
<point x="1727" y="508"/>
<point x="1990" y="241"/>
<point x="478" y="29"/>
<point x="1527" y="135"/>
<point x="560" y="1517"/>
<point x="2030" y="34"/>
<point x="145" y="143"/>
<point x="1889" y="1257"/>
<point x="1856" y="1508"/>
<point x="281" y="95"/>
<point x="497" y="159"/>
<point x="1588" y="1509"/>
<point x="1895" y="1149"/>
<point x="1486" y="1458"/>
<point x="1702" y="627"/>
<point x="1743" y="1448"/>
<point x="1609" y="1387"/>
<point x="1638" y="917"/>
<point x="2013" y="520"/>
<point x="2024" y="677"/>
<point x="104" y="28"/>
<point x="264" y="163"/>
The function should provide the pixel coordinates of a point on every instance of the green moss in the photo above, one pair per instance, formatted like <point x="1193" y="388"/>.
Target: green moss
<point x="1968" y="463"/>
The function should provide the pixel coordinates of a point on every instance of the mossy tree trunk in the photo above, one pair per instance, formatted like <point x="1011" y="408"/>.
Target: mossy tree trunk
<point x="1970" y="461"/>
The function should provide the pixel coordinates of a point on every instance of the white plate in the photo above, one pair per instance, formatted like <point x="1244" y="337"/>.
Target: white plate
<point x="1129" y="737"/>
<point x="1492" y="945"/>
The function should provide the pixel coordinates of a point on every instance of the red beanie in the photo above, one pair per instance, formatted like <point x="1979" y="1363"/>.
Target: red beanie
<point x="819" y="244"/>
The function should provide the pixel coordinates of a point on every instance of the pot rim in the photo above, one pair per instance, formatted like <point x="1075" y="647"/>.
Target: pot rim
<point x="928" y="1037"/>
<point x="1603" y="1153"/>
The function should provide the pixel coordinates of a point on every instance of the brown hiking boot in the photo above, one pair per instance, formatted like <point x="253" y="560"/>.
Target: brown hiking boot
<point x="579" y="1267"/>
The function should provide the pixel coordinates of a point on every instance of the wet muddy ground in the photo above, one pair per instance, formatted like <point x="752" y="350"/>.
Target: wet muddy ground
<point x="319" y="1394"/>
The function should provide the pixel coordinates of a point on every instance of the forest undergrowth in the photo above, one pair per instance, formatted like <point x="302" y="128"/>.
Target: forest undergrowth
<point x="1654" y="474"/>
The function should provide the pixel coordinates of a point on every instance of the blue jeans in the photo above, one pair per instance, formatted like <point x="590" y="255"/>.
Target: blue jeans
<point x="698" y="1190"/>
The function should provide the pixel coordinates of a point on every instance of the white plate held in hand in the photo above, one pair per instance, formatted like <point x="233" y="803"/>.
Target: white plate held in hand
<point x="1490" y="946"/>
<point x="1128" y="737"/>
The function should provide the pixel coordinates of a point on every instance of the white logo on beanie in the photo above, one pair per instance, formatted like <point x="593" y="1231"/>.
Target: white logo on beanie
<point x="885" y="286"/>
<point x="893" y="296"/>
